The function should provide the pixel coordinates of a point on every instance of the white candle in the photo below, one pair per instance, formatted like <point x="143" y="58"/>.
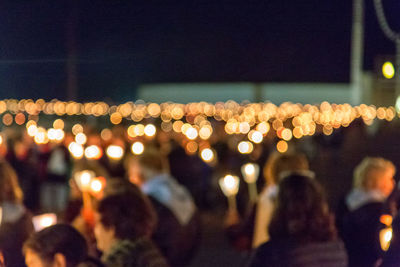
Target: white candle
<point x="230" y="187"/>
<point x="250" y="173"/>
<point x="83" y="179"/>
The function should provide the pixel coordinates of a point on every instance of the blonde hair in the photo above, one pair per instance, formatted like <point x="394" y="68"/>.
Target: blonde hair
<point x="361" y="176"/>
<point x="278" y="163"/>
<point x="9" y="186"/>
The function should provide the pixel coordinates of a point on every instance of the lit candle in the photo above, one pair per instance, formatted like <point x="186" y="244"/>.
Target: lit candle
<point x="230" y="187"/>
<point x="83" y="180"/>
<point x="97" y="185"/>
<point x="250" y="173"/>
<point x="386" y="234"/>
<point x="45" y="220"/>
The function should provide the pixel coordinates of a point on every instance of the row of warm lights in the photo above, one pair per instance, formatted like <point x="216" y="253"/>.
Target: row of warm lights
<point x="241" y="118"/>
<point x="94" y="152"/>
<point x="56" y="134"/>
<point x="43" y="136"/>
<point x="254" y="120"/>
<point x="194" y="113"/>
<point x="140" y="130"/>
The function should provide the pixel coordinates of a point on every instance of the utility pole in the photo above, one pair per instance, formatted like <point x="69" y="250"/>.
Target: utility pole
<point x="357" y="52"/>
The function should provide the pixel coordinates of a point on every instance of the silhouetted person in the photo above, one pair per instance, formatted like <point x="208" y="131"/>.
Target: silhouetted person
<point x="302" y="231"/>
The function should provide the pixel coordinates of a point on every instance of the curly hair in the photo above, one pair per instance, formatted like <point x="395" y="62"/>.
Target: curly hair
<point x="301" y="211"/>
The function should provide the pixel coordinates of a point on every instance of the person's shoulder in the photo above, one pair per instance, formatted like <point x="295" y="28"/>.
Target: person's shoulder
<point x="270" y="253"/>
<point x="333" y="253"/>
<point x="149" y="255"/>
<point x="273" y="246"/>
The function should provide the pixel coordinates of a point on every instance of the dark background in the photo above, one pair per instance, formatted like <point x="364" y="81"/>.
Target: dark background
<point x="118" y="45"/>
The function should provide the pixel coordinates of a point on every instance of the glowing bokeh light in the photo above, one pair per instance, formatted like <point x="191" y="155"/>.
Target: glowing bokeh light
<point x="115" y="152"/>
<point x="388" y="70"/>
<point x="207" y="155"/>
<point x="150" y="130"/>
<point x="137" y="148"/>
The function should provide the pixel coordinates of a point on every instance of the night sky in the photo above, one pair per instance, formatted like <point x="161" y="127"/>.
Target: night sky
<point x="122" y="44"/>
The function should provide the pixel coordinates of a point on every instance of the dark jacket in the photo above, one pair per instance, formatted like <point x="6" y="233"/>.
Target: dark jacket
<point x="138" y="253"/>
<point x="285" y="253"/>
<point x="12" y="237"/>
<point x="177" y="242"/>
<point x="359" y="230"/>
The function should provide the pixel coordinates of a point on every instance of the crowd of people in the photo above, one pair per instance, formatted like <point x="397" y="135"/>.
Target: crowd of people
<point x="294" y="226"/>
<point x="145" y="217"/>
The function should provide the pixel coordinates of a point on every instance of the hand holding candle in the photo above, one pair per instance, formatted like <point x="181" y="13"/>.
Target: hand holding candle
<point x="386" y="234"/>
<point x="83" y="179"/>
<point x="250" y="173"/>
<point x="230" y="187"/>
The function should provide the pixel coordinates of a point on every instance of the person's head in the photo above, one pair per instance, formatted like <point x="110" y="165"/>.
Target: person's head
<point x="118" y="185"/>
<point x="278" y="163"/>
<point x="55" y="246"/>
<point x="375" y="174"/>
<point x="147" y="165"/>
<point x="9" y="188"/>
<point x="301" y="211"/>
<point x="121" y="216"/>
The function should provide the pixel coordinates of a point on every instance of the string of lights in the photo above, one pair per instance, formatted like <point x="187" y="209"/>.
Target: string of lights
<point x="195" y="123"/>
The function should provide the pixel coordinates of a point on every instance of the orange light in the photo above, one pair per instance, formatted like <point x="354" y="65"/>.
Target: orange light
<point x="58" y="124"/>
<point x="282" y="146"/>
<point x="386" y="219"/>
<point x="77" y="128"/>
<point x="106" y="134"/>
<point x="116" y="118"/>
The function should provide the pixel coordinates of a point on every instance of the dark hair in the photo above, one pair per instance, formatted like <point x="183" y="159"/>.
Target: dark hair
<point x="130" y="213"/>
<point x="301" y="211"/>
<point x="90" y="262"/>
<point x="60" y="238"/>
